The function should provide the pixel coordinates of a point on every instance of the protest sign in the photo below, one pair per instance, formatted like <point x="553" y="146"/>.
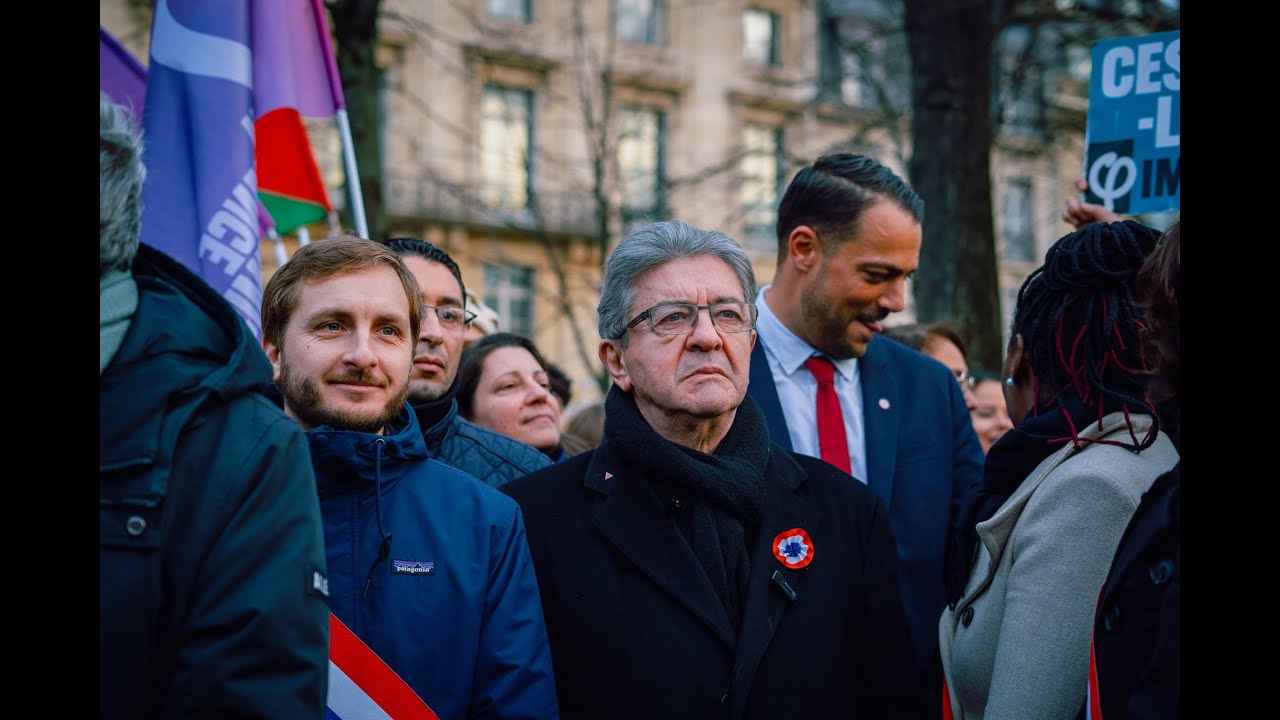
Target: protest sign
<point x="1133" y="152"/>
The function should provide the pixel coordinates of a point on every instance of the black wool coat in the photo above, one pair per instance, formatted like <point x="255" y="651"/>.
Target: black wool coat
<point x="637" y="630"/>
<point x="1137" y="634"/>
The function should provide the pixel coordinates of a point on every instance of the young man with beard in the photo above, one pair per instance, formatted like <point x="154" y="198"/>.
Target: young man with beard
<point x="490" y="456"/>
<point x="690" y="568"/>
<point x="849" y="236"/>
<point x="427" y="565"/>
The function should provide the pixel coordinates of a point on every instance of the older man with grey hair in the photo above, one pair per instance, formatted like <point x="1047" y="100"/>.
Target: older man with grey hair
<point x="687" y="566"/>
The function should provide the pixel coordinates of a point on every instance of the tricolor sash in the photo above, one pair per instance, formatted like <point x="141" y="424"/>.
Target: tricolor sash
<point x="362" y="686"/>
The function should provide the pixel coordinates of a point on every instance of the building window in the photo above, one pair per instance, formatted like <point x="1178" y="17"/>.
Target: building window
<point x="863" y="59"/>
<point x="521" y="10"/>
<point x="1079" y="62"/>
<point x="508" y="289"/>
<point x="760" y="36"/>
<point x="640" y="21"/>
<point x="640" y="164"/>
<point x="1018" y="241"/>
<point x="1019" y="82"/>
<point x="506" y="125"/>
<point x="853" y="82"/>
<point x="761" y="170"/>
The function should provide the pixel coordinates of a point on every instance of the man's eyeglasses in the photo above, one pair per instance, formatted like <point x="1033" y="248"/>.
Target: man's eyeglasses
<point x="452" y="318"/>
<point x="680" y="318"/>
<point x="967" y="381"/>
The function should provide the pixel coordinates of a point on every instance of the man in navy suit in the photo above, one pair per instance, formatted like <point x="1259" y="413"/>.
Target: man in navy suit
<point x="849" y="236"/>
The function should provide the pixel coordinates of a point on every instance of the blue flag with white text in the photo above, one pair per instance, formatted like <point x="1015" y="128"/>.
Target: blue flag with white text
<point x="200" y="198"/>
<point x="1133" y="153"/>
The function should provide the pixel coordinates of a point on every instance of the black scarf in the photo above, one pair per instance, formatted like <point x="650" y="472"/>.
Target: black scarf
<point x="1010" y="461"/>
<point x="724" y="491"/>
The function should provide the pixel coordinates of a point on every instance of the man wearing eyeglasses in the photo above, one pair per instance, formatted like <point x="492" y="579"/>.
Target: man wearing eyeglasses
<point x="849" y="236"/>
<point x="687" y="566"/>
<point x="490" y="456"/>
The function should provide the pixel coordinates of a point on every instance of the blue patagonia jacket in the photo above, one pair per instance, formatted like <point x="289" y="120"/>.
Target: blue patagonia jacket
<point x="430" y="567"/>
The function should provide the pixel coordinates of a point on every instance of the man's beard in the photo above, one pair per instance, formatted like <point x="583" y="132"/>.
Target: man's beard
<point x="823" y="314"/>
<point x="302" y="398"/>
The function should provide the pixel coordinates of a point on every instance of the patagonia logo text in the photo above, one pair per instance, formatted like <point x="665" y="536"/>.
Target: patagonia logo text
<point x="413" y="567"/>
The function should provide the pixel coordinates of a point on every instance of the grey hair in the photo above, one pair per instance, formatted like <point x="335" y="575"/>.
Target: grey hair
<point x="121" y="174"/>
<point x="651" y="246"/>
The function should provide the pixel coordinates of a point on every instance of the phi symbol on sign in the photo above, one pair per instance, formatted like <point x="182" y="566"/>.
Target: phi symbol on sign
<point x="1118" y="169"/>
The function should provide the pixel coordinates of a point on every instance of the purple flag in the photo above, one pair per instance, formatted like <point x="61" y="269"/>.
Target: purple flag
<point x="125" y="81"/>
<point x="215" y="69"/>
<point x="293" y="65"/>
<point x="201" y="194"/>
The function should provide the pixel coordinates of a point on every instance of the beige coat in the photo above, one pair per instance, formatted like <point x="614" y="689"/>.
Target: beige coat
<point x="1016" y="647"/>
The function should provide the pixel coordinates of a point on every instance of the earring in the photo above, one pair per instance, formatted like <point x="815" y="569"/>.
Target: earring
<point x="1009" y="381"/>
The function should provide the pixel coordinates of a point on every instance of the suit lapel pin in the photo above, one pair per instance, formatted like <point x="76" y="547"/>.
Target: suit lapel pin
<point x="884" y="403"/>
<point x="793" y="548"/>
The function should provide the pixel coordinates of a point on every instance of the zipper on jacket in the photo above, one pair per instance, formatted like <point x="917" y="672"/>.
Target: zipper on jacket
<point x="384" y="548"/>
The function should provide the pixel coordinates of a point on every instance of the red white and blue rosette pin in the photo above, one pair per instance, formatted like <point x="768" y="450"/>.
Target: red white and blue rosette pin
<point x="793" y="548"/>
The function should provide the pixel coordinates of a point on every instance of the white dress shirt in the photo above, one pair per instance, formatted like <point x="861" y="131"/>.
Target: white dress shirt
<point x="798" y="389"/>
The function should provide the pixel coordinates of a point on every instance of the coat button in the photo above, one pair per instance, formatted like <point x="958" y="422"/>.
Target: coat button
<point x="966" y="616"/>
<point x="1161" y="572"/>
<point x="135" y="526"/>
<point x="1112" y="618"/>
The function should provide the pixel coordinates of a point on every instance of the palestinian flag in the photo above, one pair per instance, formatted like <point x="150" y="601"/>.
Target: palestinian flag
<point x="289" y="181"/>
<point x="228" y="84"/>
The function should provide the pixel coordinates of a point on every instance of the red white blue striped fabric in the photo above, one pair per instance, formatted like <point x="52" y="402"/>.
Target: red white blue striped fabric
<point x="362" y="686"/>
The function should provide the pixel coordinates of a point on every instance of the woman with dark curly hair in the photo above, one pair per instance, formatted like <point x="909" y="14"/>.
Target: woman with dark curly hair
<point x="1033" y="541"/>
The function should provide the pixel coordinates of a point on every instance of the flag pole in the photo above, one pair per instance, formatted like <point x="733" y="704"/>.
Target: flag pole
<point x="353" y="175"/>
<point x="344" y="124"/>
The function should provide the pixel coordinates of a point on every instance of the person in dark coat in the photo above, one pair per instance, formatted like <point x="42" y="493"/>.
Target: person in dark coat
<point x="213" y="596"/>
<point x="433" y="390"/>
<point x="1137" y="637"/>
<point x="688" y="567"/>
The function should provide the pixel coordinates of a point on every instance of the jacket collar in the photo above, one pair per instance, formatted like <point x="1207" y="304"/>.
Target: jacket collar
<point x="996" y="530"/>
<point x="881" y="417"/>
<point x="631" y="515"/>
<point x="436" y="421"/>
<point x="347" y="456"/>
<point x="767" y="587"/>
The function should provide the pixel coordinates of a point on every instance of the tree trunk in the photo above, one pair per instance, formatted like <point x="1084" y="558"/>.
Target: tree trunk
<point x="355" y="26"/>
<point x="951" y="53"/>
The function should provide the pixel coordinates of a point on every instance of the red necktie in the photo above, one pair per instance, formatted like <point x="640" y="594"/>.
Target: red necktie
<point x="831" y="440"/>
